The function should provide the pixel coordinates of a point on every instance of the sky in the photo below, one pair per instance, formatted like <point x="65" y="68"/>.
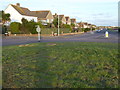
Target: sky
<point x="98" y="12"/>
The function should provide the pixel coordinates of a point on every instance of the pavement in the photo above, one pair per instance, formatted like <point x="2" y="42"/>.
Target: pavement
<point x="86" y="37"/>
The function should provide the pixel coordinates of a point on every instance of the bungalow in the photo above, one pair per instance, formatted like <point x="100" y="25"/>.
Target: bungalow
<point x="61" y="17"/>
<point x="43" y="16"/>
<point x="83" y="25"/>
<point x="73" y="20"/>
<point x="89" y="25"/>
<point x="68" y="21"/>
<point x="17" y="13"/>
<point x="94" y="26"/>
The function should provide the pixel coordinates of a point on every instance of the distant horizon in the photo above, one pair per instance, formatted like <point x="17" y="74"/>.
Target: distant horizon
<point x="100" y="12"/>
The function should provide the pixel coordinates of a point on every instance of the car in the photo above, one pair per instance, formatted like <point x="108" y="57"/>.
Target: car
<point x="6" y="34"/>
<point x="98" y="30"/>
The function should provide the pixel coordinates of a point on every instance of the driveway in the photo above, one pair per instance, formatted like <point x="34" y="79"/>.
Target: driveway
<point x="86" y="37"/>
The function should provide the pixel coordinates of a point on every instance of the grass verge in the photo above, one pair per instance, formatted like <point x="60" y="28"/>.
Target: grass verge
<point x="60" y="65"/>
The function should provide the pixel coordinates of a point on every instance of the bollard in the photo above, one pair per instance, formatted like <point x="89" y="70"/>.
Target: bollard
<point x="106" y="34"/>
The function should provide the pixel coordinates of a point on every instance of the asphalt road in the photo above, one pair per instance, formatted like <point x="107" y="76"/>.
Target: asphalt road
<point x="86" y="37"/>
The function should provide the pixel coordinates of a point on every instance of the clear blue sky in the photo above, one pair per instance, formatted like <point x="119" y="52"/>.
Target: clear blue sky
<point x="99" y="12"/>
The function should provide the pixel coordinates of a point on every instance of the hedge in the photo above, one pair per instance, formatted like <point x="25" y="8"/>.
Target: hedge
<point x="15" y="27"/>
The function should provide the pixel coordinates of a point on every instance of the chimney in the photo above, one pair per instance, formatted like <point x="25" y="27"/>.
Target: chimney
<point x="18" y="4"/>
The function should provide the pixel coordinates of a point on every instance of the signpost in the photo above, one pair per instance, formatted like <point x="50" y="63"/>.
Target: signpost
<point x="38" y="30"/>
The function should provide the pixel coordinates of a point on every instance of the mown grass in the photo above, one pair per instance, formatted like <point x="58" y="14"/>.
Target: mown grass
<point x="61" y="65"/>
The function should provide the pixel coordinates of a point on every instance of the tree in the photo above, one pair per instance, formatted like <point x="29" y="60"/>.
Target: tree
<point x="24" y="26"/>
<point x="55" y="22"/>
<point x="40" y="24"/>
<point x="5" y="17"/>
<point x="32" y="27"/>
<point x="29" y="26"/>
<point x="24" y="21"/>
<point x="72" y="25"/>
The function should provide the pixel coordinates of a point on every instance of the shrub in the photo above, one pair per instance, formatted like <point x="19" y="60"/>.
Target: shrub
<point x="24" y="28"/>
<point x="86" y="29"/>
<point x="80" y="29"/>
<point x="15" y="27"/>
<point x="40" y="24"/>
<point x="65" y="30"/>
<point x="48" y="30"/>
<point x="31" y="26"/>
<point x="72" y="25"/>
<point x="93" y="28"/>
<point x="65" y="26"/>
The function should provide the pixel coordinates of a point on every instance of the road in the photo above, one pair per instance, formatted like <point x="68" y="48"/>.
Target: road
<point x="86" y="37"/>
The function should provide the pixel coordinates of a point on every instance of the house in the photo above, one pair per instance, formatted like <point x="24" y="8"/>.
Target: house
<point x="83" y="25"/>
<point x="44" y="16"/>
<point x="73" y="21"/>
<point x="94" y="26"/>
<point x="17" y="13"/>
<point x="86" y="25"/>
<point x="89" y="25"/>
<point x="68" y="21"/>
<point x="61" y="18"/>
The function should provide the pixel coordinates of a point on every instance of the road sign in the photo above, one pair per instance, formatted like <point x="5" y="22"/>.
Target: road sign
<point x="38" y="30"/>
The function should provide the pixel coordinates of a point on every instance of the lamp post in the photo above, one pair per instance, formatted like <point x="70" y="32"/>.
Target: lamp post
<point x="91" y="29"/>
<point x="58" y="26"/>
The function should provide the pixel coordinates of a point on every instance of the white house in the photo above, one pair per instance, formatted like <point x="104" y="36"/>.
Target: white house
<point x="17" y="13"/>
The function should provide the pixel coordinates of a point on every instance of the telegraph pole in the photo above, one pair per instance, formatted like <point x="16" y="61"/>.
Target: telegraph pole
<point x="58" y="26"/>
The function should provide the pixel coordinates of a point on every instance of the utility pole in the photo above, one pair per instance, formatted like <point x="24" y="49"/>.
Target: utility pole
<point x="58" y="26"/>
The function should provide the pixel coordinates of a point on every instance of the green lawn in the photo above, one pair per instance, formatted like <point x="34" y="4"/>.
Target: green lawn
<point x="58" y="65"/>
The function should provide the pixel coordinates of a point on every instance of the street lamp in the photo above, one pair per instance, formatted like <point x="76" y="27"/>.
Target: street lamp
<point x="58" y="26"/>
